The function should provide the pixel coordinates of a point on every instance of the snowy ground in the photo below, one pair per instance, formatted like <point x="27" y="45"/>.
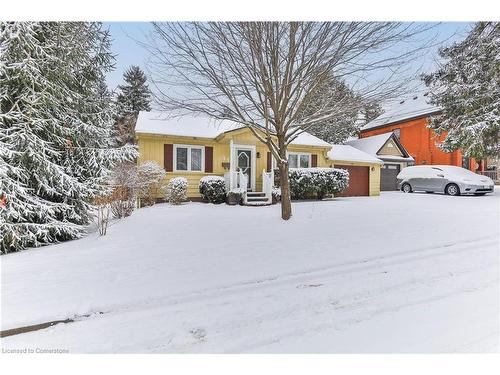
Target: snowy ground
<point x="397" y="273"/>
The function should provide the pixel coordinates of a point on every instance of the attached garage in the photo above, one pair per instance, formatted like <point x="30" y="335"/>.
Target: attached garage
<point x="359" y="181"/>
<point x="388" y="173"/>
<point x="364" y="170"/>
<point x="389" y="149"/>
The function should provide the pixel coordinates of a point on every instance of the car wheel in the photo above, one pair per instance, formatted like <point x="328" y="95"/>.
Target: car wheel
<point x="452" y="189"/>
<point x="406" y="188"/>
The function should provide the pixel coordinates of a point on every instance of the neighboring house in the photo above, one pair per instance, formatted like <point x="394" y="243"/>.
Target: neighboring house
<point x="389" y="149"/>
<point x="194" y="147"/>
<point x="408" y="120"/>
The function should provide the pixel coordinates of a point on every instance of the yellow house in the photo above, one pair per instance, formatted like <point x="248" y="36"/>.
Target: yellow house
<point x="194" y="147"/>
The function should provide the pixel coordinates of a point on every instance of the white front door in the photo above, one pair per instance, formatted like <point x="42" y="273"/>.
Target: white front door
<point x="244" y="163"/>
<point x="244" y="160"/>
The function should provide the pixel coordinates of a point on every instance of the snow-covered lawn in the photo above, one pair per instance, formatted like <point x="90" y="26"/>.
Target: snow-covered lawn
<point x="396" y="273"/>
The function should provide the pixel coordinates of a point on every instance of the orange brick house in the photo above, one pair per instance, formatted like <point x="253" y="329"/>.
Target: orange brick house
<point x="408" y="119"/>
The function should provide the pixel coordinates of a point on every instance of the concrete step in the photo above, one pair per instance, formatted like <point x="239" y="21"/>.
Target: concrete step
<point x="257" y="199"/>
<point x="255" y="194"/>
<point x="258" y="203"/>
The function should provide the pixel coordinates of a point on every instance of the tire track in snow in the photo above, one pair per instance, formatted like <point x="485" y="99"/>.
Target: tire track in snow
<point x="340" y="324"/>
<point x="302" y="276"/>
<point x="350" y="306"/>
<point x="342" y="269"/>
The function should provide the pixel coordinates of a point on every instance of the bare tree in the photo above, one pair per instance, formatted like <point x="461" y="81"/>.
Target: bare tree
<point x="264" y="74"/>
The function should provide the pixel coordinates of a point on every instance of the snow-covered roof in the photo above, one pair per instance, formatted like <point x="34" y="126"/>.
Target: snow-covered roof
<point x="204" y="127"/>
<point x="405" y="108"/>
<point x="307" y="139"/>
<point x="349" y="153"/>
<point x="373" y="144"/>
<point x="187" y="126"/>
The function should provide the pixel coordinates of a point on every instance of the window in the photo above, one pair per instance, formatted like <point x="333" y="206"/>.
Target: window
<point x="188" y="158"/>
<point x="299" y="160"/>
<point x="465" y="162"/>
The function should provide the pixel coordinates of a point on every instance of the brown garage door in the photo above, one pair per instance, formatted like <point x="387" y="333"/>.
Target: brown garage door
<point x="359" y="180"/>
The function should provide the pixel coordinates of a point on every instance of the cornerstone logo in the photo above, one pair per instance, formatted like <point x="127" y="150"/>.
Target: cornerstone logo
<point x="35" y="350"/>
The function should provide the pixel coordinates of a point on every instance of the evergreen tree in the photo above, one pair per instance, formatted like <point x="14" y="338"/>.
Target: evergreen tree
<point x="134" y="96"/>
<point x="467" y="87"/>
<point x="351" y="111"/>
<point x="56" y="144"/>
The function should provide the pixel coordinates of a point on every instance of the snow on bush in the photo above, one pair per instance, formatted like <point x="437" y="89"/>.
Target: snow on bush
<point x="150" y="176"/>
<point x="319" y="182"/>
<point x="276" y="192"/>
<point x="213" y="189"/>
<point x="177" y="190"/>
<point x="124" y="180"/>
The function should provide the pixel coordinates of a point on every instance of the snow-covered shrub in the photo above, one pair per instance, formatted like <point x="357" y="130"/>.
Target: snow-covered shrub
<point x="124" y="181"/>
<point x="330" y="181"/>
<point x="213" y="189"/>
<point x="319" y="182"/>
<point x="150" y="177"/>
<point x="124" y="203"/>
<point x="177" y="190"/>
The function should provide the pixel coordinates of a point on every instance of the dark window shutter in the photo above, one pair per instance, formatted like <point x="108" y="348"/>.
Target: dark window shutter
<point x="209" y="159"/>
<point x="314" y="160"/>
<point x="269" y="161"/>
<point x="168" y="157"/>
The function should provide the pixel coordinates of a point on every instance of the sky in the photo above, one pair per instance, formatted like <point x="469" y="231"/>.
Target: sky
<point x="128" y="51"/>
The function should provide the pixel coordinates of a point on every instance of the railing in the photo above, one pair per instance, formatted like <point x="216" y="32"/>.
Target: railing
<point x="236" y="180"/>
<point x="491" y="174"/>
<point x="267" y="183"/>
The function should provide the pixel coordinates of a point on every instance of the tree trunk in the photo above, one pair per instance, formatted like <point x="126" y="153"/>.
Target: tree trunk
<point x="286" y="202"/>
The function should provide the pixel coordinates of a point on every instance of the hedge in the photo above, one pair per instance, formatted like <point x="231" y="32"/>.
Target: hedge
<point x="316" y="182"/>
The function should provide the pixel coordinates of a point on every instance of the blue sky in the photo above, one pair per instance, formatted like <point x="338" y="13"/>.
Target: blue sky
<point x="129" y="52"/>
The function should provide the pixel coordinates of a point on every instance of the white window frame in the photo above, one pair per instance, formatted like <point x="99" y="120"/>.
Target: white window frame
<point x="189" y="148"/>
<point x="299" y="154"/>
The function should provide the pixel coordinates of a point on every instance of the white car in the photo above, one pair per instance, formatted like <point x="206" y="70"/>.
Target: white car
<point x="446" y="179"/>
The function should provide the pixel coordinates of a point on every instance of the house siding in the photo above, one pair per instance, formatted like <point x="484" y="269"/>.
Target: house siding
<point x="388" y="150"/>
<point x="151" y="147"/>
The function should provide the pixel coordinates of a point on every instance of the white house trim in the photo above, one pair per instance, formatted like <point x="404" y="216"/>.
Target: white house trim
<point x="298" y="158"/>
<point x="189" y="147"/>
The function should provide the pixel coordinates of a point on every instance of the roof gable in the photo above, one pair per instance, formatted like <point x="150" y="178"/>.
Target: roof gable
<point x="390" y="148"/>
<point x="374" y="144"/>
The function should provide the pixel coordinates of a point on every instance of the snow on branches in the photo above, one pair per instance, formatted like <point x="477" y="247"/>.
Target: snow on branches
<point x="466" y="87"/>
<point x="56" y="142"/>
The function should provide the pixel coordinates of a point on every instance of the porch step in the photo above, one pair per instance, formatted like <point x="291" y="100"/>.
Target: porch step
<point x="255" y="194"/>
<point x="256" y="198"/>
<point x="256" y="204"/>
